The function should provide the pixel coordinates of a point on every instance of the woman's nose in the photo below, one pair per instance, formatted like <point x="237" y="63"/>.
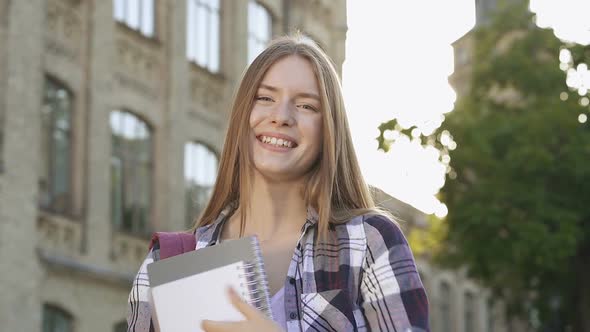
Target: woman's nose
<point x="283" y="114"/>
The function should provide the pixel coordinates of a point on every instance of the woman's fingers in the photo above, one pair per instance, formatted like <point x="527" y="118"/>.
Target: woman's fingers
<point x="218" y="326"/>
<point x="255" y="320"/>
<point x="247" y="310"/>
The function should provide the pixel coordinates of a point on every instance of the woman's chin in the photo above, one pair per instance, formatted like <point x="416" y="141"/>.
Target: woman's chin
<point x="280" y="174"/>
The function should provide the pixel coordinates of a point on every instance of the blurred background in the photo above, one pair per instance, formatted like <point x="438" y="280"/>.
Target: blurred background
<point x="469" y="118"/>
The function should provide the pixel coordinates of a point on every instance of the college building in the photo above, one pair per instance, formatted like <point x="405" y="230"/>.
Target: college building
<point x="112" y="117"/>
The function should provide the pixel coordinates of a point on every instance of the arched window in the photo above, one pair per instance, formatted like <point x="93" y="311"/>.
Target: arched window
<point x="56" y="148"/>
<point x="202" y="33"/>
<point x="131" y="173"/>
<point x="120" y="327"/>
<point x="138" y="15"/>
<point x="444" y="302"/>
<point x="469" y="310"/>
<point x="259" y="29"/>
<point x="56" y="319"/>
<point x="200" y="172"/>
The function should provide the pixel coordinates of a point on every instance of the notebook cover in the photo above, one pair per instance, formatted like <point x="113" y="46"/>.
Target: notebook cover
<point x="192" y="286"/>
<point x="197" y="261"/>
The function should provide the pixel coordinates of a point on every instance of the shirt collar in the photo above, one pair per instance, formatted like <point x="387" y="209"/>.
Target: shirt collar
<point x="210" y="234"/>
<point x="311" y="219"/>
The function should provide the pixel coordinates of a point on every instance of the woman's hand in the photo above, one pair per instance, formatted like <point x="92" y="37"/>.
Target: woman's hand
<point x="255" y="320"/>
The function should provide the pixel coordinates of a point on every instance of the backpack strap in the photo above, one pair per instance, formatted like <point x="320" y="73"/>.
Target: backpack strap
<point x="173" y="243"/>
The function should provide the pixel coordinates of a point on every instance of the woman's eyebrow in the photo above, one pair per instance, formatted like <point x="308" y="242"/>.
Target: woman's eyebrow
<point x="268" y="87"/>
<point x="308" y="95"/>
<point x="300" y="94"/>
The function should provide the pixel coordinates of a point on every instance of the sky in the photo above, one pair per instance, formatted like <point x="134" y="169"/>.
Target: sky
<point x="398" y="59"/>
<point x="569" y="18"/>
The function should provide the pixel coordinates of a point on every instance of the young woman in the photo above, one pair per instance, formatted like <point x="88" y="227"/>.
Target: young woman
<point x="288" y="174"/>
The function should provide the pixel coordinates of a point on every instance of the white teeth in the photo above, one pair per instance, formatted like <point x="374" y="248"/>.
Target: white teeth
<point x="276" y="141"/>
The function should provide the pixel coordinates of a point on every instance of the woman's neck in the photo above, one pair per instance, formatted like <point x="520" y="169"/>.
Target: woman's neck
<point x="276" y="209"/>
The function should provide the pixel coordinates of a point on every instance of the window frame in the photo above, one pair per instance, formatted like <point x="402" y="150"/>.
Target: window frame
<point x="195" y="7"/>
<point x="491" y="316"/>
<point x="250" y="33"/>
<point x="68" y="211"/>
<point x="469" y="310"/>
<point x="52" y="309"/>
<point x="445" y="303"/>
<point x="118" y="227"/>
<point x="189" y="219"/>
<point x="124" y="20"/>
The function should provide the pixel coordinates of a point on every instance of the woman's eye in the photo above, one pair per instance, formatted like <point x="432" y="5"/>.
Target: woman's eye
<point x="263" y="98"/>
<point x="308" y="107"/>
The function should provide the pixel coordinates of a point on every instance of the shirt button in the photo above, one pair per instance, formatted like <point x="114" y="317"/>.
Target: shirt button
<point x="292" y="281"/>
<point x="292" y="315"/>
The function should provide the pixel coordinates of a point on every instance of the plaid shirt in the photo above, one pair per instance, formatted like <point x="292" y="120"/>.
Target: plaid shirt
<point x="363" y="278"/>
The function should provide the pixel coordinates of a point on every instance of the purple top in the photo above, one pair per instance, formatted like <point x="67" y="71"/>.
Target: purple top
<point x="277" y="306"/>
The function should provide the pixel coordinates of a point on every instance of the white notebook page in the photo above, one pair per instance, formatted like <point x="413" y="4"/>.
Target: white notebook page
<point x="181" y="305"/>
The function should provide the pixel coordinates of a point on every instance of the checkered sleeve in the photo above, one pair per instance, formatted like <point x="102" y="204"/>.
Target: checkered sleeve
<point x="392" y="295"/>
<point x="138" y="311"/>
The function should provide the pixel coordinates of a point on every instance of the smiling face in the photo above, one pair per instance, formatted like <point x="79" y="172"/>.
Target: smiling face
<point x="286" y="121"/>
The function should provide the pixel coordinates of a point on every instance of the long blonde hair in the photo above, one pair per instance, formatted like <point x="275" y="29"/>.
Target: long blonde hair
<point x="336" y="188"/>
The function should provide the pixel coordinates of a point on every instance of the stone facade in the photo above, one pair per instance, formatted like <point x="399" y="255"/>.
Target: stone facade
<point x="78" y="262"/>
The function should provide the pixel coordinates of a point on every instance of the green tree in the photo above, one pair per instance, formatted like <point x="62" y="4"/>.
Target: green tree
<point x="519" y="179"/>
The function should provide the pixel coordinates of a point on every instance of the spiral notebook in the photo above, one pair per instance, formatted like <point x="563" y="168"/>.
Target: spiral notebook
<point x="191" y="287"/>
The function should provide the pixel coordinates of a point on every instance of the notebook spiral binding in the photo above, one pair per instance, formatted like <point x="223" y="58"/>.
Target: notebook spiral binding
<point x="257" y="281"/>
